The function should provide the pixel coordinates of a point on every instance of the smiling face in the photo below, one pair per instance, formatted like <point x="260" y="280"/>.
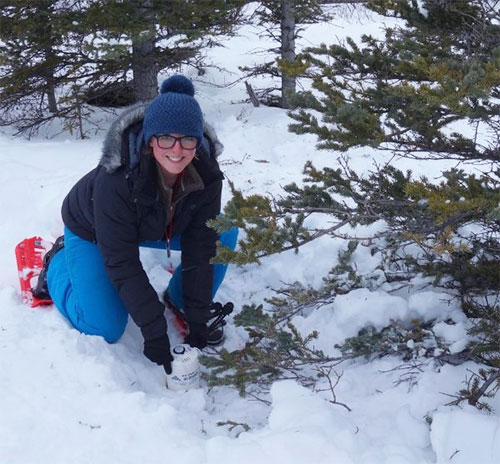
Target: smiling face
<point x="175" y="159"/>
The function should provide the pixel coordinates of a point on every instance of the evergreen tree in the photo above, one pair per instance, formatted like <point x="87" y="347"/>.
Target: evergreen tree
<point x="32" y="65"/>
<point x="439" y="68"/>
<point x="410" y="92"/>
<point x="58" y="56"/>
<point x="163" y="35"/>
<point x="281" y="20"/>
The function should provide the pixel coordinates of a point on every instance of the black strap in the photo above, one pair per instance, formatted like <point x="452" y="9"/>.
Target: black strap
<point x="219" y="312"/>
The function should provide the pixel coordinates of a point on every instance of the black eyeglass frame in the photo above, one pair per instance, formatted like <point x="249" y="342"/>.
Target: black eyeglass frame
<point x="192" y="141"/>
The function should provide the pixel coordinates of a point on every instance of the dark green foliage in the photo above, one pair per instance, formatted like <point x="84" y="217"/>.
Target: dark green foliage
<point x="448" y="231"/>
<point x="413" y="209"/>
<point x="486" y="330"/>
<point x="410" y="341"/>
<point x="283" y="22"/>
<point x="405" y="93"/>
<point x="180" y="21"/>
<point x="306" y="11"/>
<point x="275" y="351"/>
<point x="32" y="65"/>
<point x="483" y="384"/>
<point x="57" y="57"/>
<point x="255" y="215"/>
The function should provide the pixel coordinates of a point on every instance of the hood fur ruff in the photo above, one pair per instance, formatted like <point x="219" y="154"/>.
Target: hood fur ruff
<point x="111" y="158"/>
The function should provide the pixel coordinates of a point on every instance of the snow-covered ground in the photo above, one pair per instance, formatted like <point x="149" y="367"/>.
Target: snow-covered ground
<point x="67" y="397"/>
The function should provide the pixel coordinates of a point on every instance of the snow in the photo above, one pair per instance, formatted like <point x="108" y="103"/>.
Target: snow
<point x="68" y="397"/>
<point x="455" y="435"/>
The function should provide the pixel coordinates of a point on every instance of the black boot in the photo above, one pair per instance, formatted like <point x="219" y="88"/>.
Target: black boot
<point x="41" y="290"/>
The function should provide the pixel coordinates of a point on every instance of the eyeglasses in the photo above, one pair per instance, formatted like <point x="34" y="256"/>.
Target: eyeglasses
<point x="168" y="141"/>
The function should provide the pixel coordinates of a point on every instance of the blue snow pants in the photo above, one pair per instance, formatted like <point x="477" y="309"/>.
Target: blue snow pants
<point x="85" y="296"/>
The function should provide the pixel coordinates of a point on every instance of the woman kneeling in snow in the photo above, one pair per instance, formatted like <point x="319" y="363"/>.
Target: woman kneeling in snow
<point x="157" y="184"/>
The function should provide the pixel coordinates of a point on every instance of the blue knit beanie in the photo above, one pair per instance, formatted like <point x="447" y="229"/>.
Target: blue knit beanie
<point x="174" y="111"/>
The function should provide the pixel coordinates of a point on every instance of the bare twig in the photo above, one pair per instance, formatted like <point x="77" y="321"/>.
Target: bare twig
<point x="326" y="372"/>
<point x="251" y="93"/>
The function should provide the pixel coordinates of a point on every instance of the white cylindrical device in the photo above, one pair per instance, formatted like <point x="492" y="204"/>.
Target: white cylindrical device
<point x="185" y="368"/>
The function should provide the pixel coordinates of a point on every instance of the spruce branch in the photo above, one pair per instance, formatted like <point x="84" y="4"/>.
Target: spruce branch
<point x="231" y="425"/>
<point x="476" y="390"/>
<point x="404" y="95"/>
<point x="275" y="351"/>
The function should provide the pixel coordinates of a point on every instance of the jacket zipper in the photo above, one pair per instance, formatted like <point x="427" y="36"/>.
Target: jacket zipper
<point x="170" y="225"/>
<point x="168" y="232"/>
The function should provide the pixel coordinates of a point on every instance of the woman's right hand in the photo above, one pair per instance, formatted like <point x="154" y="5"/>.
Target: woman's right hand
<point x="158" y="351"/>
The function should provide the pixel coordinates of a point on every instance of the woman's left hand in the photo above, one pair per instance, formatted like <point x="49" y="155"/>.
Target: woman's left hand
<point x="198" y="335"/>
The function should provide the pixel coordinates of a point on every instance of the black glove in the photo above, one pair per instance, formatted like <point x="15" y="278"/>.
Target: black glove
<point x="198" y="334"/>
<point x="158" y="351"/>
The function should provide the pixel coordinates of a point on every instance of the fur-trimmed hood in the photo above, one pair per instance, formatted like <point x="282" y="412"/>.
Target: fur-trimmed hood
<point x="113" y="148"/>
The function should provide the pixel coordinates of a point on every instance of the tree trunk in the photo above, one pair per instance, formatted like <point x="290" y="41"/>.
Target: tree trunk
<point x="144" y="65"/>
<point x="49" y="64"/>
<point x="288" y="84"/>
<point x="51" y="94"/>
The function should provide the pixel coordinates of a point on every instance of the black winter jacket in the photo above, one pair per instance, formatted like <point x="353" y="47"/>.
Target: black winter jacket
<point x="119" y="204"/>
